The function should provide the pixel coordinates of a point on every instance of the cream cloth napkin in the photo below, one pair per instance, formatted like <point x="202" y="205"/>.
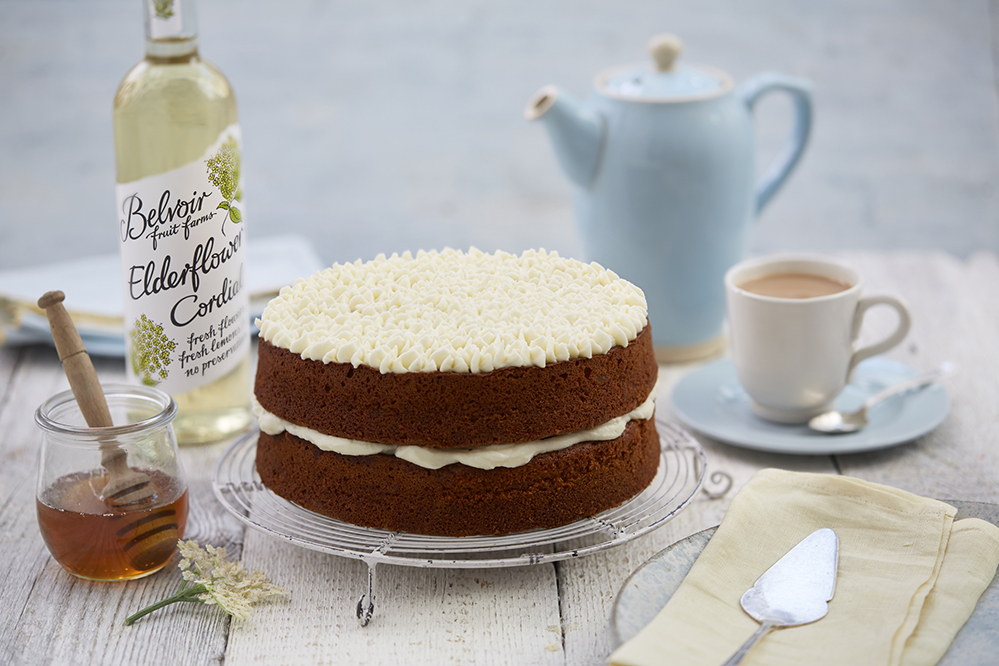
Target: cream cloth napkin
<point x="908" y="578"/>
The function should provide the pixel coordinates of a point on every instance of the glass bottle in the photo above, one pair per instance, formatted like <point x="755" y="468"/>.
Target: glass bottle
<point x="181" y="229"/>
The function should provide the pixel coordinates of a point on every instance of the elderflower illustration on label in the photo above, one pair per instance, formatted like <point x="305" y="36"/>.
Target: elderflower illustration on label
<point x="163" y="9"/>
<point x="223" y="173"/>
<point x="150" y="351"/>
<point x="184" y="270"/>
<point x="209" y="577"/>
<point x="165" y="19"/>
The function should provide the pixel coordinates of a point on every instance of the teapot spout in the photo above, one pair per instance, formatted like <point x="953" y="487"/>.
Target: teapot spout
<point x="576" y="132"/>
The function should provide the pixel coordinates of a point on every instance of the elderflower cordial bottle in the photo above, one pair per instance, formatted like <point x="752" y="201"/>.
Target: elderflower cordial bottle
<point x="182" y="230"/>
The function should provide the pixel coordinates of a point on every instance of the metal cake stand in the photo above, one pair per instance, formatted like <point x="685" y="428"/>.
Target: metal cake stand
<point x="237" y="486"/>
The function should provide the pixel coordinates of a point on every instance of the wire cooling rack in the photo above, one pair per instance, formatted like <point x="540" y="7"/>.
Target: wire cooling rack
<point x="237" y="486"/>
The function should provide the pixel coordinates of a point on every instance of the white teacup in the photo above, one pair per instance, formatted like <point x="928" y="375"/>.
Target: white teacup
<point x="794" y="339"/>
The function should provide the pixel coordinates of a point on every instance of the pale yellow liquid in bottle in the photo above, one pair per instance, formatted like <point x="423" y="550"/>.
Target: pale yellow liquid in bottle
<point x="168" y="110"/>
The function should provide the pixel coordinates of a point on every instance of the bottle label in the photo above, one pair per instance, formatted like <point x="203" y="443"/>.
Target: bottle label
<point x="183" y="258"/>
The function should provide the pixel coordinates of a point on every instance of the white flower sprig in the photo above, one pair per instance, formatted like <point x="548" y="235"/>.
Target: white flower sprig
<point x="210" y="578"/>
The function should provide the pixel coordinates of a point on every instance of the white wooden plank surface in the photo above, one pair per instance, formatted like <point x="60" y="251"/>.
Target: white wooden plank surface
<point x="422" y="616"/>
<point x="23" y="553"/>
<point x="548" y="614"/>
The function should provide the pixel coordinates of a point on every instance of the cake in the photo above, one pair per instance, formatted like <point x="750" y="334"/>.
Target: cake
<point x="452" y="393"/>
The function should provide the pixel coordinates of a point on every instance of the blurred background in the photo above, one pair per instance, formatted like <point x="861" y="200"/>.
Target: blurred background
<point x="389" y="125"/>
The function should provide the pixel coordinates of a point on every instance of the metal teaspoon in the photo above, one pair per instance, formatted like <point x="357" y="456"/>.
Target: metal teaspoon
<point x="838" y="422"/>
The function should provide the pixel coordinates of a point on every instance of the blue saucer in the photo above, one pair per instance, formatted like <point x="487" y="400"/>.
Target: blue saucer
<point x="711" y="401"/>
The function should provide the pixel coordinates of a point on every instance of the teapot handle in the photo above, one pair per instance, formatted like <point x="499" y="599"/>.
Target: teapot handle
<point x="800" y="91"/>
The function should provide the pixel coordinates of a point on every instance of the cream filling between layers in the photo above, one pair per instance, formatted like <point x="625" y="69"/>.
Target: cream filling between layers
<point x="480" y="457"/>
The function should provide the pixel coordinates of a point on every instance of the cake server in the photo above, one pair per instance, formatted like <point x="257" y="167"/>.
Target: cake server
<point x="795" y="590"/>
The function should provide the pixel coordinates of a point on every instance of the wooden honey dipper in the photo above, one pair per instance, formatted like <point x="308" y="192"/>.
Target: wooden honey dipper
<point x="151" y="535"/>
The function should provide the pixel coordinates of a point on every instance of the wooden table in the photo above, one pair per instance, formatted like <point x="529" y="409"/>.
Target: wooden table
<point x="544" y="614"/>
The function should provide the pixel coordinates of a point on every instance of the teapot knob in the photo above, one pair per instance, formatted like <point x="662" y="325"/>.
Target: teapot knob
<point x="664" y="49"/>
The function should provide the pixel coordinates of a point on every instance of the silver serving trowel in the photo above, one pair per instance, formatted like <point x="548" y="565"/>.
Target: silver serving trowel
<point x="795" y="590"/>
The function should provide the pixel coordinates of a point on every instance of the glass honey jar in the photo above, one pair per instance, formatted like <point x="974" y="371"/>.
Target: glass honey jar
<point x="111" y="502"/>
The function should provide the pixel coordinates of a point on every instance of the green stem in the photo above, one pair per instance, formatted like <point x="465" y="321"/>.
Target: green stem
<point x="185" y="594"/>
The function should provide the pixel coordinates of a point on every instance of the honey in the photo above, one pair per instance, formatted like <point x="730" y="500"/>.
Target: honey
<point x="96" y="540"/>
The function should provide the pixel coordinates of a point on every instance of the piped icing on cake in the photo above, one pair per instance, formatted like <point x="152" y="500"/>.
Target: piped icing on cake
<point x="482" y="457"/>
<point x="453" y="311"/>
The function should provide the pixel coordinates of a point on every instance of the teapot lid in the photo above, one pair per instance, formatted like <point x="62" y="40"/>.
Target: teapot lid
<point x="663" y="79"/>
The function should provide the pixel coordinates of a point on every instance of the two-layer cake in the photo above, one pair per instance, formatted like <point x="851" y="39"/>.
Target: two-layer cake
<point x="457" y="393"/>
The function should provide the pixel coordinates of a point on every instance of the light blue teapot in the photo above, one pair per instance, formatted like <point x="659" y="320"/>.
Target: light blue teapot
<point x="663" y="157"/>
